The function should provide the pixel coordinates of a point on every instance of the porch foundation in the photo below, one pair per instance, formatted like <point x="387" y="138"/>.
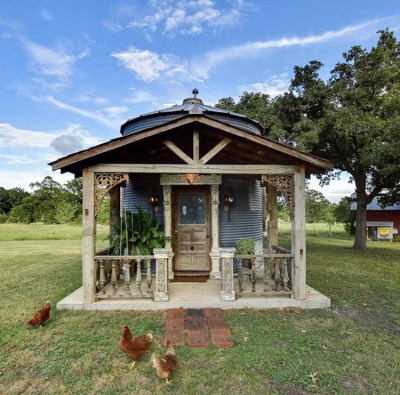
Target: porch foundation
<point x="195" y="295"/>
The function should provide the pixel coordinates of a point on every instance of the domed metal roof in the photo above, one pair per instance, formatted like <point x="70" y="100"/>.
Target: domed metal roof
<point x="190" y="106"/>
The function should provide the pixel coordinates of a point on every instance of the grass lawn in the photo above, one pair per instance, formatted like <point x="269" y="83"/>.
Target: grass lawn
<point x="352" y="348"/>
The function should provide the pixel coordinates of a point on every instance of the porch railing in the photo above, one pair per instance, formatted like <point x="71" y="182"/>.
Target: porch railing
<point x="123" y="276"/>
<point x="266" y="275"/>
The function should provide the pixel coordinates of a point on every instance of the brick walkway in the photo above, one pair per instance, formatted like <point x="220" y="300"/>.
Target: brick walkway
<point x="196" y="328"/>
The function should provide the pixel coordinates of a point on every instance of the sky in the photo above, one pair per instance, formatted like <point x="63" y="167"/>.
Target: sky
<point x="73" y="71"/>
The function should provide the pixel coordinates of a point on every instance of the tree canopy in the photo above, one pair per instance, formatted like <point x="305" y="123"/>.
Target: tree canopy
<point x="50" y="202"/>
<point x="353" y="120"/>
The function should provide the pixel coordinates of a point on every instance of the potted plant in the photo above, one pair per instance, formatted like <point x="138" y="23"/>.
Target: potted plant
<point x="245" y="246"/>
<point x="136" y="234"/>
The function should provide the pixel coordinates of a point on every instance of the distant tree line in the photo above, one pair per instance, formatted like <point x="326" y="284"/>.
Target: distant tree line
<point x="321" y="210"/>
<point x="49" y="203"/>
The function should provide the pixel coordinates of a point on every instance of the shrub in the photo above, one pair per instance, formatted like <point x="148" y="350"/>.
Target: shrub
<point x="245" y="246"/>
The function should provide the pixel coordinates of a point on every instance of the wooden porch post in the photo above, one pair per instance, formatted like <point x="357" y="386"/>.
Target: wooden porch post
<point x="299" y="235"/>
<point x="88" y="237"/>
<point x="272" y="211"/>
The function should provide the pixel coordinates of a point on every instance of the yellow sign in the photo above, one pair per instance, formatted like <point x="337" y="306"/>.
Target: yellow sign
<point x="384" y="232"/>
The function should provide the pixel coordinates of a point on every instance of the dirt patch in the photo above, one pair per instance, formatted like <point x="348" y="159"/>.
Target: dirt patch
<point x="369" y="320"/>
<point x="351" y="383"/>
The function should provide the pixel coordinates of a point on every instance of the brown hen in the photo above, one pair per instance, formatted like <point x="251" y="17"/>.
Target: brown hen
<point x="135" y="347"/>
<point x="41" y="316"/>
<point x="166" y="365"/>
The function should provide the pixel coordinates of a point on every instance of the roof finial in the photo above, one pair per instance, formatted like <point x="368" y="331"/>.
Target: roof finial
<point x="195" y="92"/>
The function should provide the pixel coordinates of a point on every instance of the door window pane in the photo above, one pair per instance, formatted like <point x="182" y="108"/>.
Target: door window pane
<point x="192" y="209"/>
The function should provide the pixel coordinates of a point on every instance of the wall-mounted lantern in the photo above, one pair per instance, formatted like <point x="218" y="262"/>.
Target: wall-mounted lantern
<point x="153" y="200"/>
<point x="228" y="201"/>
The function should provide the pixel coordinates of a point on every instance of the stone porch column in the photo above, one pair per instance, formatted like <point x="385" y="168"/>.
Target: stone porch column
<point x="299" y="235"/>
<point x="215" y="252"/>
<point x="227" y="255"/>
<point x="161" y="255"/>
<point x="88" y="237"/>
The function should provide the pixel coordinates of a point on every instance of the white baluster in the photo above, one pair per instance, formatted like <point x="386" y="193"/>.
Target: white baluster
<point x="285" y="275"/>
<point x="148" y="277"/>
<point x="139" y="275"/>
<point x="127" y="277"/>
<point x="114" y="277"/>
<point x="102" y="279"/>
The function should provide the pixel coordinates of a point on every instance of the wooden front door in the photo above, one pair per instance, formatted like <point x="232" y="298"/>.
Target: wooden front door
<point x="192" y="230"/>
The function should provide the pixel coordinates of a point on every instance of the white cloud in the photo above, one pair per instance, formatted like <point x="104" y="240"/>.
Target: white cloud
<point x="101" y="100"/>
<point x="54" y="64"/>
<point x="46" y="15"/>
<point x="11" y="137"/>
<point x="149" y="66"/>
<point x="336" y="189"/>
<point x="140" y="96"/>
<point x="188" y="17"/>
<point x="120" y="12"/>
<point x="24" y="154"/>
<point x="272" y="86"/>
<point x="73" y="139"/>
<point x="18" y="159"/>
<point x="211" y="60"/>
<point x="115" y="112"/>
<point x="97" y="116"/>
<point x="73" y="136"/>
<point x="113" y="26"/>
<point x="49" y="61"/>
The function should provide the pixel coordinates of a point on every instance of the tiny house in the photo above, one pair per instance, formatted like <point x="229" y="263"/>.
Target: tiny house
<point x="210" y="178"/>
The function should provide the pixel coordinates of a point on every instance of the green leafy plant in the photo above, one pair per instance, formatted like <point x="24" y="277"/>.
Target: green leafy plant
<point x="136" y="232"/>
<point x="245" y="246"/>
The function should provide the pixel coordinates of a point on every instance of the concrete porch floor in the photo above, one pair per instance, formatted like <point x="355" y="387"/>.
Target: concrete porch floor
<point x="196" y="295"/>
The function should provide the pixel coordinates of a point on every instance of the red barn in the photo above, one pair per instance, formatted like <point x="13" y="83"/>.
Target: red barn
<point x="382" y="224"/>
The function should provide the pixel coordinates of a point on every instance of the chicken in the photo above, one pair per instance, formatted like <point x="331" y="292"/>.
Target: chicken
<point x="166" y="365"/>
<point x="135" y="347"/>
<point x="41" y="316"/>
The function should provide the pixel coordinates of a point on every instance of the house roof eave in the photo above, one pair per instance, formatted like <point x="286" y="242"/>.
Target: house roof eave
<point x="76" y="161"/>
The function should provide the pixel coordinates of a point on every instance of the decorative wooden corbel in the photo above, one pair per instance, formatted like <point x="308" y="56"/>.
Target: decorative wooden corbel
<point x="284" y="184"/>
<point x="104" y="182"/>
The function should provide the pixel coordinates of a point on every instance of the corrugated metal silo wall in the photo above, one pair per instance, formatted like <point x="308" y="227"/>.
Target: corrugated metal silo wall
<point x="246" y="213"/>
<point x="137" y="193"/>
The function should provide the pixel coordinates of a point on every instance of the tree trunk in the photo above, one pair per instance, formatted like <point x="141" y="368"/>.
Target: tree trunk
<point x="360" y="241"/>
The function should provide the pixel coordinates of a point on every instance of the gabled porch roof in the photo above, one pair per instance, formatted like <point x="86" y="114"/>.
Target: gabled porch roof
<point x="173" y="144"/>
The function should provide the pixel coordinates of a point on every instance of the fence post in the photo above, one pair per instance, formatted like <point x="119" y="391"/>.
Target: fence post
<point x="161" y="289"/>
<point x="227" y="255"/>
